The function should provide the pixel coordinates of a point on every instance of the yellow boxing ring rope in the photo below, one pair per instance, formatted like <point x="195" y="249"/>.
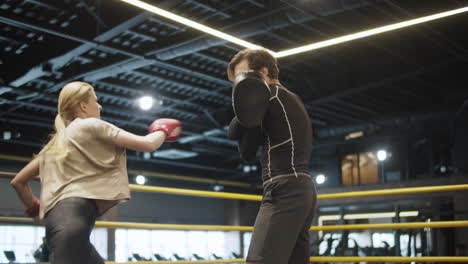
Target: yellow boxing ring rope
<point x="320" y="259"/>
<point x="134" y="225"/>
<point x="225" y="195"/>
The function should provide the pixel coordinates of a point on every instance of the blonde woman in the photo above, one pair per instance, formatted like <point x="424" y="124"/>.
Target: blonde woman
<point x="83" y="172"/>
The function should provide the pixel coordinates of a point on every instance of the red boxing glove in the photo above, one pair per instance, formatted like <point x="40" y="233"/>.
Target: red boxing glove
<point x="33" y="210"/>
<point x="166" y="125"/>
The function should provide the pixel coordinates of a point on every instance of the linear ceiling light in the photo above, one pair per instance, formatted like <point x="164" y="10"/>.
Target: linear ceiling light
<point x="193" y="24"/>
<point x="367" y="33"/>
<point x="289" y="52"/>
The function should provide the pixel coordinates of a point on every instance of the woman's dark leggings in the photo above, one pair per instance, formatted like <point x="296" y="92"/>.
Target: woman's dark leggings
<point x="68" y="226"/>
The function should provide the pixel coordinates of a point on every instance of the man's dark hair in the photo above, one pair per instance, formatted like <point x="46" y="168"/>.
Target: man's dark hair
<point x="257" y="59"/>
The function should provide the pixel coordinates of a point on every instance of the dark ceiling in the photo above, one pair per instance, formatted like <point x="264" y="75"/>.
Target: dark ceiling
<point x="409" y="75"/>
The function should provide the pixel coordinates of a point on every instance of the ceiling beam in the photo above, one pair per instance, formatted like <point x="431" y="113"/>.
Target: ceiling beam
<point x="251" y="27"/>
<point x="385" y="81"/>
<point x="58" y="62"/>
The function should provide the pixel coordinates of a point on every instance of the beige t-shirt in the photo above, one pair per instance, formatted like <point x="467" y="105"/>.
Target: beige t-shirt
<point x="94" y="168"/>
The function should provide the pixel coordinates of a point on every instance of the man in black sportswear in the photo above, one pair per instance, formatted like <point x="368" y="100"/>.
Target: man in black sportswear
<point x="270" y="116"/>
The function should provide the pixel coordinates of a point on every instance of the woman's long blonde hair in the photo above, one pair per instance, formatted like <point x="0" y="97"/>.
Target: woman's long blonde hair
<point x="70" y="96"/>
